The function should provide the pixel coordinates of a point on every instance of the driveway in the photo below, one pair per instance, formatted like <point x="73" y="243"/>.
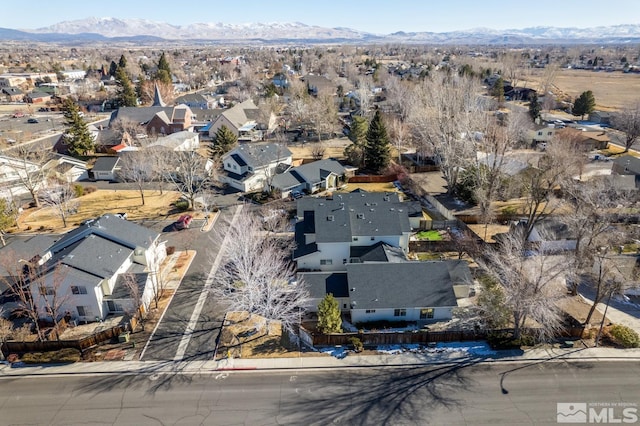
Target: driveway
<point x="181" y="333"/>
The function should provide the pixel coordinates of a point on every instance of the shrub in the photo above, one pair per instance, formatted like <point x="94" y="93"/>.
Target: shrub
<point x="357" y="344"/>
<point x="625" y="336"/>
<point x="78" y="190"/>
<point x="170" y="250"/>
<point x="505" y="340"/>
<point x="90" y="189"/>
<point x="181" y="204"/>
<point x="67" y="355"/>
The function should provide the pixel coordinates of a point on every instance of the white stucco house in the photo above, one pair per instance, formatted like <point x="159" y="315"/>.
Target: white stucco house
<point x="244" y="121"/>
<point x="179" y="141"/>
<point x="321" y="175"/>
<point x="13" y="173"/>
<point x="252" y="166"/>
<point x="85" y="269"/>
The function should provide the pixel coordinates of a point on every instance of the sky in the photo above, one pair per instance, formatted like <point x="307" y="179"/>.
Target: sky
<point x="374" y="16"/>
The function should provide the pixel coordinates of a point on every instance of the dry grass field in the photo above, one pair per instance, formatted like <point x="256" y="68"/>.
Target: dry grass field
<point x="612" y="90"/>
<point x="100" y="202"/>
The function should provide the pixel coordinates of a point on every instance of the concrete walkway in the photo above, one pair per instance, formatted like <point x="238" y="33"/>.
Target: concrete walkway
<point x="319" y="362"/>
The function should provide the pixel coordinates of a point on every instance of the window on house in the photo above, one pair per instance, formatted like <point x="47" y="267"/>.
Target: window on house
<point x="229" y="165"/>
<point x="113" y="306"/>
<point x="373" y="238"/>
<point x="355" y="238"/>
<point x="326" y="262"/>
<point x="344" y="261"/>
<point x="78" y="289"/>
<point x="370" y="311"/>
<point x="426" y="313"/>
<point x="234" y="167"/>
<point x="46" y="291"/>
<point x="549" y="133"/>
<point x="344" y="306"/>
<point x="539" y="133"/>
<point x="250" y="168"/>
<point x="83" y="311"/>
<point x="399" y="312"/>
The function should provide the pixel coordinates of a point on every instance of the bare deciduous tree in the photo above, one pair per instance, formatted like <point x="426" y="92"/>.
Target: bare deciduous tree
<point x="190" y="173"/>
<point x="62" y="199"/>
<point x="256" y="274"/>
<point x="628" y="122"/>
<point x="29" y="170"/>
<point x="6" y="329"/>
<point x="532" y="284"/>
<point x="135" y="290"/>
<point x="605" y="279"/>
<point x="400" y="135"/>
<point x="137" y="167"/>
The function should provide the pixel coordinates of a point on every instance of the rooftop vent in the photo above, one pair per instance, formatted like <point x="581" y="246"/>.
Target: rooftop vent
<point x="331" y="218"/>
<point x="360" y="215"/>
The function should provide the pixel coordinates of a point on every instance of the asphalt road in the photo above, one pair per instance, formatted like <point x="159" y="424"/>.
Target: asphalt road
<point x="169" y="333"/>
<point x="462" y="394"/>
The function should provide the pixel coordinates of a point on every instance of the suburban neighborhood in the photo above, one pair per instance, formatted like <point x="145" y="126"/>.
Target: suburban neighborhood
<point x="324" y="207"/>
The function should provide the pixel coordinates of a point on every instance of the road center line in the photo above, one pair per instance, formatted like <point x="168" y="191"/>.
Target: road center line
<point x="188" y="332"/>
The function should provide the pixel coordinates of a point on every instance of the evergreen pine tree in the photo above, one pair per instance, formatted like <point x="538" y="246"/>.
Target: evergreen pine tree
<point x="126" y="93"/>
<point x="122" y="63"/>
<point x="584" y="104"/>
<point x="358" y="137"/>
<point x="77" y="137"/>
<point x="329" y="318"/>
<point x="534" y="107"/>
<point x="377" y="150"/>
<point x="223" y="142"/>
<point x="164" y="71"/>
<point x="498" y="90"/>
<point x="112" y="68"/>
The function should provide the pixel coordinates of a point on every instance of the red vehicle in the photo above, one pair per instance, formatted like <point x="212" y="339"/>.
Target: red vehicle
<point x="183" y="221"/>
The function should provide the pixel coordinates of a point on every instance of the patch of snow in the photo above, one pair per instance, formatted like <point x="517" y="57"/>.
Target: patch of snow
<point x="335" y="351"/>
<point x="468" y="348"/>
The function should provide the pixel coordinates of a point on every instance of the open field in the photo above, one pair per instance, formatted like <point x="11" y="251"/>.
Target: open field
<point x="612" y="90"/>
<point x="100" y="202"/>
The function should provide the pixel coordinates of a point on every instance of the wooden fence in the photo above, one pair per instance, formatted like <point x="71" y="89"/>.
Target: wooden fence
<point x="411" y="337"/>
<point x="373" y="178"/>
<point x="11" y="347"/>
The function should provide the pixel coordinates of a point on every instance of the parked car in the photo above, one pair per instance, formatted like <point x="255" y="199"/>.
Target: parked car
<point x="183" y="222"/>
<point x="296" y="194"/>
<point x="32" y="120"/>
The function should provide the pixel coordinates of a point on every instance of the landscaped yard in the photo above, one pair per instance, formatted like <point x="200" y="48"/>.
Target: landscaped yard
<point x="100" y="202"/>
<point x="430" y="235"/>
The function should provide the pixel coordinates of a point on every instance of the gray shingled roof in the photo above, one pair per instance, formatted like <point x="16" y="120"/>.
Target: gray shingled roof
<point x="259" y="155"/>
<point x="110" y="227"/>
<point x="320" y="284"/>
<point x="379" y="252"/>
<point x="105" y="164"/>
<point x="356" y="214"/>
<point x="97" y="256"/>
<point x="407" y="284"/>
<point x="139" y="114"/>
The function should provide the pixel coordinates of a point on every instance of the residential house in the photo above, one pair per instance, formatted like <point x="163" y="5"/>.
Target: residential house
<point x="21" y="251"/>
<point x="549" y="235"/>
<point x="330" y="230"/>
<point x="626" y="165"/>
<point x="243" y="120"/>
<point x="13" y="94"/>
<point x="322" y="175"/>
<point x="156" y="120"/>
<point x="180" y="141"/>
<point x="251" y="167"/>
<point x="196" y="100"/>
<point x="405" y="290"/>
<point x="601" y="117"/>
<point x="37" y="97"/>
<point x="105" y="168"/>
<point x="67" y="169"/>
<point x="13" y="173"/>
<point x="85" y="268"/>
<point x="584" y="140"/>
<point x="541" y="135"/>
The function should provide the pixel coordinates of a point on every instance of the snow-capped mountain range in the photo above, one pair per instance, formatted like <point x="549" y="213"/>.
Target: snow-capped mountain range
<point x="96" y="29"/>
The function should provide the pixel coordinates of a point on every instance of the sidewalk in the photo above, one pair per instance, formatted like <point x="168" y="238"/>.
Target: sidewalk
<point x="320" y="362"/>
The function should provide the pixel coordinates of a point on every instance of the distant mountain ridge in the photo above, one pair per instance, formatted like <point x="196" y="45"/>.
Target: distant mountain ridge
<point x="105" y="29"/>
